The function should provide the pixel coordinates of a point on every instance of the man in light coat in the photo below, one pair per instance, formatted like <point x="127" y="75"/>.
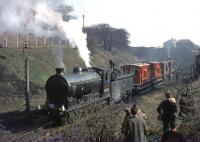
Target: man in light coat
<point x="135" y="128"/>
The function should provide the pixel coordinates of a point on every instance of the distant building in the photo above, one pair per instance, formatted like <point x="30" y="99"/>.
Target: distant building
<point x="170" y="43"/>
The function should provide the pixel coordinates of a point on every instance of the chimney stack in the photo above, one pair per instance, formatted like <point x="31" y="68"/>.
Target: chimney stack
<point x="59" y="70"/>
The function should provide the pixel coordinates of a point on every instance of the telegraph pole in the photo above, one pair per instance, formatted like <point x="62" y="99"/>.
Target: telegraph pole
<point x="27" y="93"/>
<point x="83" y="28"/>
<point x="27" y="87"/>
<point x="83" y="21"/>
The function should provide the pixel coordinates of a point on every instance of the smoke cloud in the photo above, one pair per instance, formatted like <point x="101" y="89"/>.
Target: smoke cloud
<point x="41" y="17"/>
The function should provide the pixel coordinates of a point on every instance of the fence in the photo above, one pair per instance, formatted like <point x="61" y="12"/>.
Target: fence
<point x="18" y="40"/>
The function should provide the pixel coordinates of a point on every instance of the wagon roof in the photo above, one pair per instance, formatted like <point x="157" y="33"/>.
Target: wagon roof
<point x="137" y="64"/>
<point x="155" y="62"/>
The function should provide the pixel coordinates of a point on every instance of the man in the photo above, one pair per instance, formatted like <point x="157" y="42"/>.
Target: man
<point x="173" y="135"/>
<point x="135" y="129"/>
<point x="167" y="110"/>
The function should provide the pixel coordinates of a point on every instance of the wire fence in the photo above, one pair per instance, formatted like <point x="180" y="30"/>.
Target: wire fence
<point x="18" y="40"/>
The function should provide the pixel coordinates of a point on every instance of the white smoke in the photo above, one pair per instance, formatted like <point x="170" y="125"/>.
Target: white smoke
<point x="58" y="53"/>
<point x="80" y="42"/>
<point x="41" y="18"/>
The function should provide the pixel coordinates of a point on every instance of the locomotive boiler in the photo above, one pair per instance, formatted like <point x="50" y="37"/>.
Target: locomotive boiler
<point x="67" y="92"/>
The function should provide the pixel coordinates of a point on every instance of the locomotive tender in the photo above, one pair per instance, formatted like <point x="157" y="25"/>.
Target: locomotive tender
<point x="68" y="92"/>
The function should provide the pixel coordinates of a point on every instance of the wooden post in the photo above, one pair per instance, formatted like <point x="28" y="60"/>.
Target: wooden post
<point x="27" y="90"/>
<point x="27" y="38"/>
<point x="36" y="41"/>
<point x="52" y="42"/>
<point x="45" y="42"/>
<point x="17" y="40"/>
<point x="6" y="39"/>
<point x="59" y="42"/>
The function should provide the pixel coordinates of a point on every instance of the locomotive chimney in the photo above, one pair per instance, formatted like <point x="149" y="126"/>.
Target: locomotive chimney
<point x="59" y="70"/>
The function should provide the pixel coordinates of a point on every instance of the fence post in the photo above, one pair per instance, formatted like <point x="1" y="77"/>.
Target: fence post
<point x="36" y="41"/>
<point x="59" y="42"/>
<point x="17" y="40"/>
<point x="52" y="42"/>
<point x="45" y="42"/>
<point x="6" y="39"/>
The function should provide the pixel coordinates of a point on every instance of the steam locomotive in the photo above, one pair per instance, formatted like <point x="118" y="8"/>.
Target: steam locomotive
<point x="68" y="92"/>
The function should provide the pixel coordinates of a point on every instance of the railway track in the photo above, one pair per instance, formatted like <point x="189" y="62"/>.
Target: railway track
<point x="30" y="131"/>
<point x="47" y="129"/>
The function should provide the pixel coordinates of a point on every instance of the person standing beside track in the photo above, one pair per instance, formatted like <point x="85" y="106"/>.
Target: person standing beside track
<point x="135" y="128"/>
<point x="167" y="110"/>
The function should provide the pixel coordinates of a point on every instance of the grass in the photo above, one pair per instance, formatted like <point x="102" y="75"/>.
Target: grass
<point x="42" y="61"/>
<point x="101" y="57"/>
<point x="149" y="104"/>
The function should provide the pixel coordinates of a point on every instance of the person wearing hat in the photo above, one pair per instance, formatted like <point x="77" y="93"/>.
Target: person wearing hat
<point x="135" y="128"/>
<point x="167" y="110"/>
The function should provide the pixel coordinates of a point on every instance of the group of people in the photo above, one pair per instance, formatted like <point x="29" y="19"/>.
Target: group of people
<point x="135" y="128"/>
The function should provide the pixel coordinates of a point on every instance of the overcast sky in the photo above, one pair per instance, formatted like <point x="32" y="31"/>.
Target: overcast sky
<point x="150" y="22"/>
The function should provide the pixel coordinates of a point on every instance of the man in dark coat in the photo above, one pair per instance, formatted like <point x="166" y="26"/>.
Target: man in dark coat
<point x="173" y="135"/>
<point x="135" y="129"/>
<point x="167" y="110"/>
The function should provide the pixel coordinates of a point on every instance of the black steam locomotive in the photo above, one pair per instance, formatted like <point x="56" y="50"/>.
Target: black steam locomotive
<point x="67" y="92"/>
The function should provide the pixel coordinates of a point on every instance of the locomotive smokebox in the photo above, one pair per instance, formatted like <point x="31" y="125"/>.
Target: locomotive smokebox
<point x="59" y="70"/>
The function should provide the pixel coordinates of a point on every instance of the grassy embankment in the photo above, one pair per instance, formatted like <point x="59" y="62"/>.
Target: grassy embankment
<point x="42" y="64"/>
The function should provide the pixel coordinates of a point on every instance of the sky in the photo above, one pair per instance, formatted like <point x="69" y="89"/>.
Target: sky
<point x="150" y="22"/>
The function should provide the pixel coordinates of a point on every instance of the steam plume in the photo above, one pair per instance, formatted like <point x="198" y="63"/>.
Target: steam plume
<point x="41" y="18"/>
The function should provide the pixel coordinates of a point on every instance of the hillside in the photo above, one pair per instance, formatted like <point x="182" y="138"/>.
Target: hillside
<point x="42" y="64"/>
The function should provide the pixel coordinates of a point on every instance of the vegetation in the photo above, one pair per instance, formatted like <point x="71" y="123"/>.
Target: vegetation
<point x="105" y="36"/>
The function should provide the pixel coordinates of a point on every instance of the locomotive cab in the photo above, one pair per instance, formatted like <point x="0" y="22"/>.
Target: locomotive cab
<point x="105" y="79"/>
